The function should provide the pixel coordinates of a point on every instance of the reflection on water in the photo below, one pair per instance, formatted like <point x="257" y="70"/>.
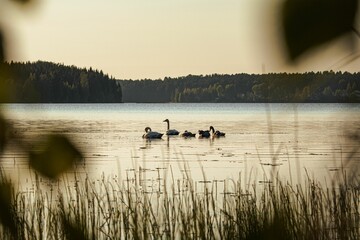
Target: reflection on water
<point x="282" y="141"/>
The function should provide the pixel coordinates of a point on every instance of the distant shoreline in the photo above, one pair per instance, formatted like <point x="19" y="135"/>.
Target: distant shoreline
<point x="46" y="82"/>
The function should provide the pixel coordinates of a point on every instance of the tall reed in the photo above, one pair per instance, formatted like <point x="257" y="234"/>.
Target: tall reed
<point x="112" y="208"/>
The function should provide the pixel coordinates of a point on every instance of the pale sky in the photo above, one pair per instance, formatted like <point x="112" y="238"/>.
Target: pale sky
<point x="135" y="39"/>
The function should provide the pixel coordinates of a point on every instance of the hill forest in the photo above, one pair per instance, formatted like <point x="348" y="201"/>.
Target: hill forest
<point x="273" y="87"/>
<point x="46" y="82"/>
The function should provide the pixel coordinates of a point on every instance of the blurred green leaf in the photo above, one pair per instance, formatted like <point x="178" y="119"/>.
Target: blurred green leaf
<point x="56" y="155"/>
<point x="4" y="130"/>
<point x="7" y="215"/>
<point x="6" y="90"/>
<point x="22" y="1"/>
<point x="309" y="23"/>
<point x="4" y="93"/>
<point x="2" y="51"/>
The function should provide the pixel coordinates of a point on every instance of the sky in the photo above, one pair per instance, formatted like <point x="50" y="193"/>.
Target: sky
<point x="137" y="39"/>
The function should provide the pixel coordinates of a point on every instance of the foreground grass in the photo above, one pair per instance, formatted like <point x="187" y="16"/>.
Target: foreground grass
<point x="122" y="209"/>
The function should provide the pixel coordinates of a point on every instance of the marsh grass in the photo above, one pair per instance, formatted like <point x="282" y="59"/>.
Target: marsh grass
<point x="114" y="208"/>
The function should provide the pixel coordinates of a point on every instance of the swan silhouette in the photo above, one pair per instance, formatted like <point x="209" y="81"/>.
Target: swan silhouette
<point x="187" y="134"/>
<point x="204" y="133"/>
<point x="149" y="134"/>
<point x="170" y="131"/>
<point x="216" y="133"/>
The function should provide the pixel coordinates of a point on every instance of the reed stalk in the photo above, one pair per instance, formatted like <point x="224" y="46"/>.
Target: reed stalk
<point x="111" y="208"/>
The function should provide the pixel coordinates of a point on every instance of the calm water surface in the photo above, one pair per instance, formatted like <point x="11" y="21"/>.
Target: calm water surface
<point x="261" y="139"/>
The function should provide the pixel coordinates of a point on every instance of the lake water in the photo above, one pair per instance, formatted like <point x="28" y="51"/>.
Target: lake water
<point x="290" y="141"/>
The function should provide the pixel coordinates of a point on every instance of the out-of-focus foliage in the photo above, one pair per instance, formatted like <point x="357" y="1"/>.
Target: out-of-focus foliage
<point x="6" y="92"/>
<point x="54" y="156"/>
<point x="22" y="1"/>
<point x="276" y="87"/>
<point x="3" y="74"/>
<point x="2" y="51"/>
<point x="8" y="216"/>
<point x="46" y="82"/>
<point x="4" y="133"/>
<point x="309" y="23"/>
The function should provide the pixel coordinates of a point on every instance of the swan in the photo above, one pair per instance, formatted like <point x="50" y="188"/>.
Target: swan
<point x="150" y="134"/>
<point x="187" y="134"/>
<point x="216" y="133"/>
<point x="170" y="131"/>
<point x="204" y="133"/>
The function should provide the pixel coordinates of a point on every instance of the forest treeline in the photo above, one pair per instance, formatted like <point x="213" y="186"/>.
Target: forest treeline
<point x="46" y="82"/>
<point x="274" y="87"/>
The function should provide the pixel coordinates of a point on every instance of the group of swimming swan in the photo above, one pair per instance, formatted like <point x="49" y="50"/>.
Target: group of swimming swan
<point x="149" y="134"/>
